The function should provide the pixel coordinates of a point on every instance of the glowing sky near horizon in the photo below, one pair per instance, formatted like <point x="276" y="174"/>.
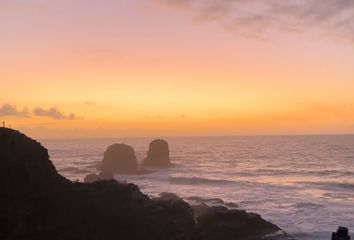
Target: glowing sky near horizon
<point x="177" y="67"/>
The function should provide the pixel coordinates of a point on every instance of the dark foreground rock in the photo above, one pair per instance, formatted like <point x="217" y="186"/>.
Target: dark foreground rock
<point x="158" y="154"/>
<point x="119" y="158"/>
<point x="211" y="202"/>
<point x="341" y="234"/>
<point x="220" y="223"/>
<point x="36" y="203"/>
<point x="92" y="177"/>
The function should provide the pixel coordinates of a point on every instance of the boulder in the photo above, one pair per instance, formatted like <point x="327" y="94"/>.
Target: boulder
<point x="119" y="158"/>
<point x="341" y="234"/>
<point x="158" y="154"/>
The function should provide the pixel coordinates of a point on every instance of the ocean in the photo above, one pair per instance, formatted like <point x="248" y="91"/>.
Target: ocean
<point x="304" y="184"/>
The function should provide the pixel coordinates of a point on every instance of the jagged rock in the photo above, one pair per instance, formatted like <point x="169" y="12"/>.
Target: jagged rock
<point x="90" y="178"/>
<point x="158" y="154"/>
<point x="166" y="196"/>
<point x="36" y="203"/>
<point x="210" y="202"/>
<point x="220" y="223"/>
<point x="119" y="158"/>
<point x="24" y="164"/>
<point x="341" y="234"/>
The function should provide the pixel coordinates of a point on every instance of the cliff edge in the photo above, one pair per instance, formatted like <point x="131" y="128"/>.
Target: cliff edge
<point x="37" y="203"/>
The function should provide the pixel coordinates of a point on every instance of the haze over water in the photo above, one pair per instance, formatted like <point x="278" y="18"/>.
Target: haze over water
<point x="304" y="184"/>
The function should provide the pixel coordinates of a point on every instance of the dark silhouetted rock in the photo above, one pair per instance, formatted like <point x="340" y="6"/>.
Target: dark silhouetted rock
<point x="220" y="223"/>
<point x="341" y="234"/>
<point x="90" y="178"/>
<point x="36" y="203"/>
<point x="24" y="164"/>
<point x="119" y="158"/>
<point x="210" y="202"/>
<point x="158" y="154"/>
<point x="166" y="196"/>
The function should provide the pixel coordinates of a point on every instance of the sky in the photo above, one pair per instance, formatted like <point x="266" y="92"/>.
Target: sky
<point x="140" y="68"/>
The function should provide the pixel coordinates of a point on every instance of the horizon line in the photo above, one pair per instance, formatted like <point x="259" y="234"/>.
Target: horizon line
<point x="208" y="136"/>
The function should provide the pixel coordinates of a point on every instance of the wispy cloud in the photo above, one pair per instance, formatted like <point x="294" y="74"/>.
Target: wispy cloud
<point x="258" y="17"/>
<point x="7" y="110"/>
<point x="11" y="110"/>
<point x="54" y="113"/>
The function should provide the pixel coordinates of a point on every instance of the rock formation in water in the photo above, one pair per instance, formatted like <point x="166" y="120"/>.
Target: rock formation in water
<point x="341" y="234"/>
<point x="119" y="158"/>
<point x="158" y="154"/>
<point x="220" y="223"/>
<point x="36" y="203"/>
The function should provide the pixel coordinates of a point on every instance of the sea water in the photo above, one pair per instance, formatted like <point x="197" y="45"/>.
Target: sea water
<point x="304" y="184"/>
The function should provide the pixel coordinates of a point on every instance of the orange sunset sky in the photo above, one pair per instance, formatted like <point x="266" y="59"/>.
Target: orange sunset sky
<point x="121" y="68"/>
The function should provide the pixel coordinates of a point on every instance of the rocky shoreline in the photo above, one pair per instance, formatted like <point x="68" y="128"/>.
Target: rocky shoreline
<point x="38" y="203"/>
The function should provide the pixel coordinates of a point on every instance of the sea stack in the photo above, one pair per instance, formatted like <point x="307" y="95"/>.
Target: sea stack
<point x="158" y="154"/>
<point x="119" y="158"/>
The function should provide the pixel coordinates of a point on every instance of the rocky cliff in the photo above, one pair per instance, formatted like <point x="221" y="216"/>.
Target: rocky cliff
<point x="37" y="203"/>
